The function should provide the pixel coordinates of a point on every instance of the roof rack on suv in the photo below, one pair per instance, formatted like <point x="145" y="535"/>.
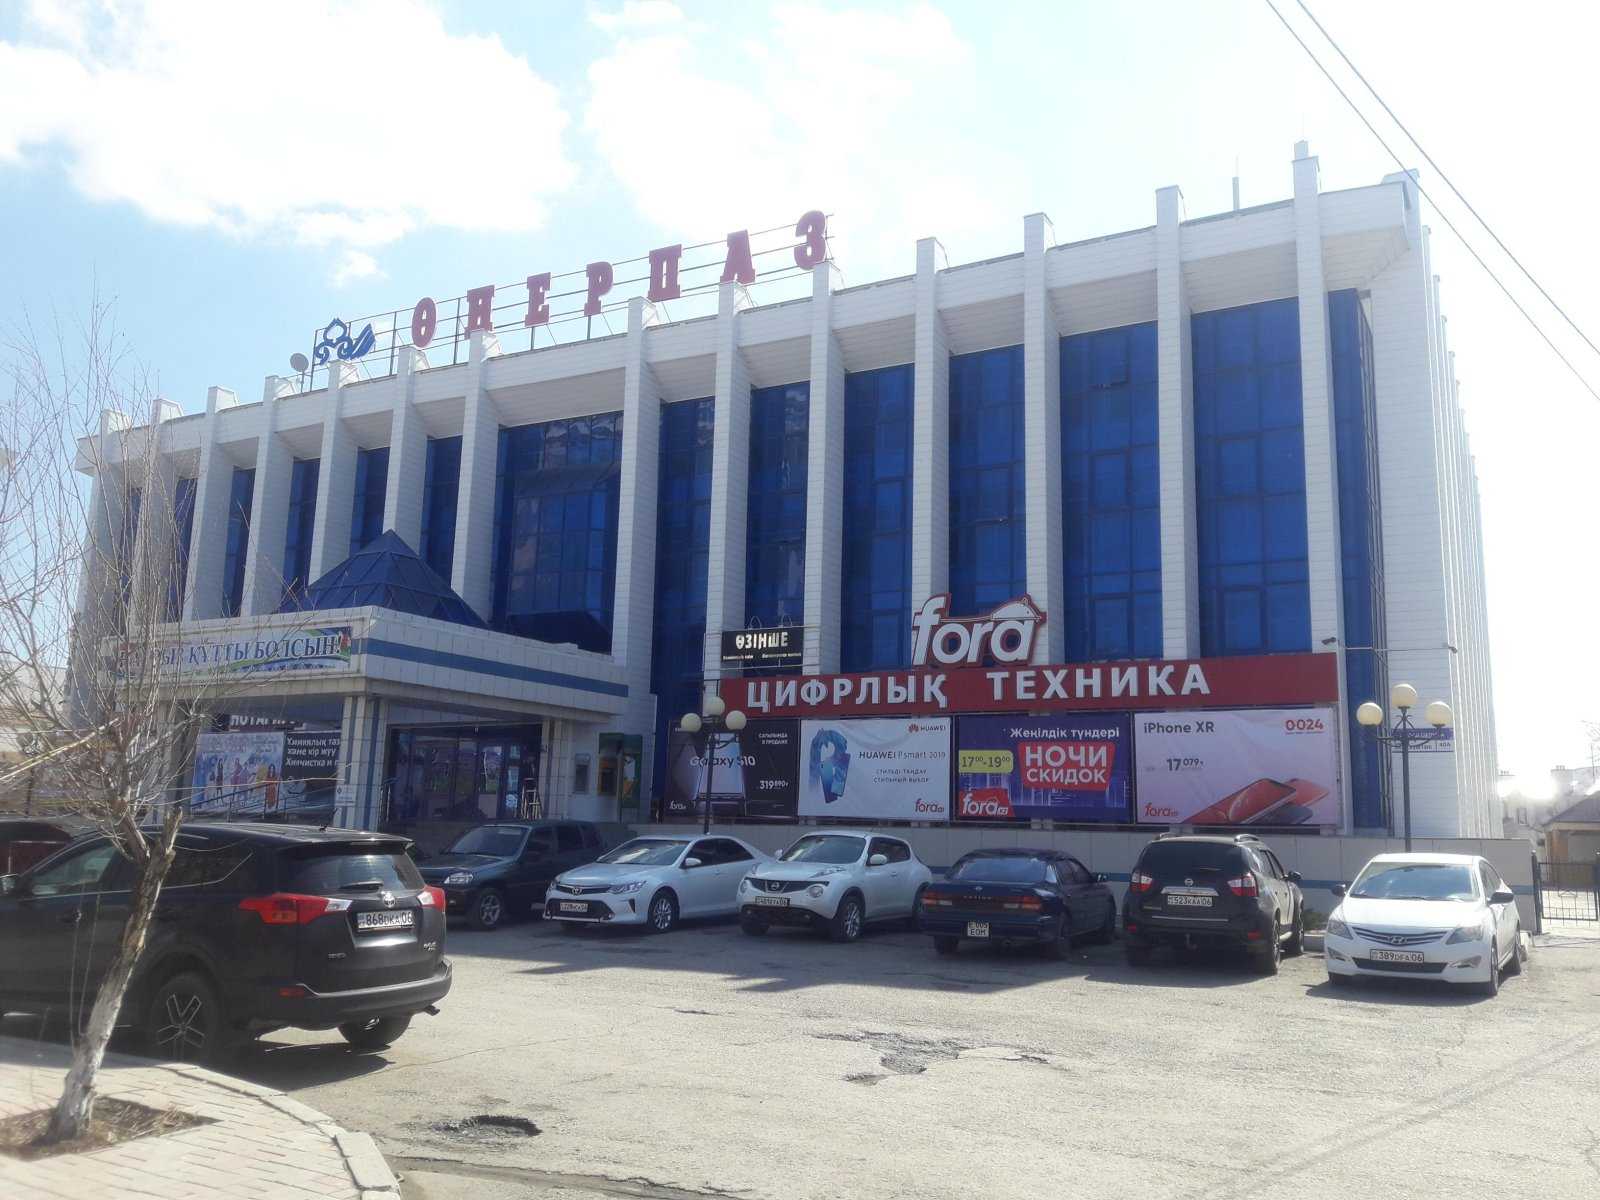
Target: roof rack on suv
<point x="1245" y="837"/>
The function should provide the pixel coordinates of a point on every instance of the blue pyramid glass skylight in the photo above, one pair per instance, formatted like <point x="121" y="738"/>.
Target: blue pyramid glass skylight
<point x="389" y="574"/>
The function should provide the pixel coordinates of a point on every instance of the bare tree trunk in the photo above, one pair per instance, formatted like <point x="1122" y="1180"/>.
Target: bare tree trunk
<point x="76" y="1106"/>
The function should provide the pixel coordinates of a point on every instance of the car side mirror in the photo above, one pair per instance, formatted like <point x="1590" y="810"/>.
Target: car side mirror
<point x="690" y="863"/>
<point x="1503" y="896"/>
<point x="878" y="860"/>
<point x="1100" y="877"/>
<point x="1338" y="889"/>
<point x="1292" y="876"/>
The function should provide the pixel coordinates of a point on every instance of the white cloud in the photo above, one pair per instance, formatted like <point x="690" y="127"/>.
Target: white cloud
<point x="861" y="112"/>
<point x="344" y="122"/>
<point x="354" y="265"/>
<point x="635" y="15"/>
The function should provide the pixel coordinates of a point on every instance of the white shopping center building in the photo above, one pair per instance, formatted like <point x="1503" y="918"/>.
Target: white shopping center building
<point x="503" y="560"/>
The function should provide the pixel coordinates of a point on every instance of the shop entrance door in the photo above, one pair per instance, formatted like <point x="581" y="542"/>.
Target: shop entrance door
<point x="462" y="773"/>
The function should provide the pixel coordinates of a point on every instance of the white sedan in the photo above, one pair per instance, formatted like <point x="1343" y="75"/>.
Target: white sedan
<point x="836" y="882"/>
<point x="654" y="881"/>
<point x="1427" y="916"/>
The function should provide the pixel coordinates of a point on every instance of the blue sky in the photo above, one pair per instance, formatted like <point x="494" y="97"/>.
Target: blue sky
<point x="233" y="177"/>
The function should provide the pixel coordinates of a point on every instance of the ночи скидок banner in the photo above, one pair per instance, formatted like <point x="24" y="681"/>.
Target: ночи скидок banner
<point x="888" y="769"/>
<point x="1258" y="766"/>
<point x="1063" y="767"/>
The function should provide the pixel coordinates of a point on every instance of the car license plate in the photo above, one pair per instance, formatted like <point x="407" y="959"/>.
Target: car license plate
<point x="574" y="906"/>
<point x="773" y="901"/>
<point x="402" y="919"/>
<point x="977" y="929"/>
<point x="1399" y="956"/>
<point x="1188" y="901"/>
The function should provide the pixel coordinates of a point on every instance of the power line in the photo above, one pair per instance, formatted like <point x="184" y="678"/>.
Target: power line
<point x="1451" y="225"/>
<point x="1449" y="183"/>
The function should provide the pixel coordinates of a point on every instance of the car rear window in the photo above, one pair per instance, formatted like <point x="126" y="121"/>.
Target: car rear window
<point x="326" y="871"/>
<point x="1164" y="859"/>
<point x="999" y="869"/>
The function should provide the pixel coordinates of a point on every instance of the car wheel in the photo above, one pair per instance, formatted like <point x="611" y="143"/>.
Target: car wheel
<point x="1060" y="946"/>
<point x="663" y="912"/>
<point x="1138" y="956"/>
<point x="377" y="1033"/>
<point x="1297" y="940"/>
<point x="1514" y="963"/>
<point x="1107" y="933"/>
<point x="753" y="928"/>
<point x="914" y="921"/>
<point x="1491" y="986"/>
<point x="848" y="920"/>
<point x="185" y="1021"/>
<point x="1268" y="959"/>
<point x="946" y="945"/>
<point x="488" y="910"/>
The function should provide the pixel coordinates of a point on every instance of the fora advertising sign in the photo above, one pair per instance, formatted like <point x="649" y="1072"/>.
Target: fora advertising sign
<point x="985" y="664"/>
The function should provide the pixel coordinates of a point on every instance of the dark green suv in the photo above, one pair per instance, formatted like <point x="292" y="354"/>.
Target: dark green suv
<point x="503" y="869"/>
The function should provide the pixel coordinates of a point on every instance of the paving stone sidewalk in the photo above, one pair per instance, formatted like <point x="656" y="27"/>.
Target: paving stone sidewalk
<point x="262" y="1145"/>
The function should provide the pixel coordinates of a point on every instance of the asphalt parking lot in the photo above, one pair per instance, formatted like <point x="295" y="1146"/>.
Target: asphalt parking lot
<point x="705" y="1062"/>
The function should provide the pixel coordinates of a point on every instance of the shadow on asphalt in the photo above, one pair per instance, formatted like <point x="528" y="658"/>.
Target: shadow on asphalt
<point x="290" y="1066"/>
<point x="1416" y="993"/>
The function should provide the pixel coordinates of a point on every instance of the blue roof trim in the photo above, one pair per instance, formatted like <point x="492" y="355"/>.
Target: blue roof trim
<point x="485" y="666"/>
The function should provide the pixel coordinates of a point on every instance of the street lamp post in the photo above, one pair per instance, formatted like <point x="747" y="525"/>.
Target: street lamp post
<point x="714" y="716"/>
<point x="1404" y="698"/>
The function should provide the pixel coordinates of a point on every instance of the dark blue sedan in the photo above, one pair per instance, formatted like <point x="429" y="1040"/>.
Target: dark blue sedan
<point x="1042" y="897"/>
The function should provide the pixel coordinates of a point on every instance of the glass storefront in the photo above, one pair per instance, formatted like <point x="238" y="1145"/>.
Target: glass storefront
<point x="464" y="773"/>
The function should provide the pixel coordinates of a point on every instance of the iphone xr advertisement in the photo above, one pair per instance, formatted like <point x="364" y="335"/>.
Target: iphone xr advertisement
<point x="1260" y="766"/>
<point x="1058" y="768"/>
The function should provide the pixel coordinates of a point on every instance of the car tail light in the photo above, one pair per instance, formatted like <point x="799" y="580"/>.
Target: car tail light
<point x="1244" y="885"/>
<point x="936" y="900"/>
<point x="431" y="897"/>
<point x="1026" y="903"/>
<point x="289" y="908"/>
<point x="1140" y="882"/>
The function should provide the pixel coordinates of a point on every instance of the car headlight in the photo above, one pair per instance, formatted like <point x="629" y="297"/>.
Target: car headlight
<point x="1338" y="928"/>
<point x="622" y="889"/>
<point x="1469" y="933"/>
<point x="744" y="884"/>
<point x="458" y="879"/>
<point x="816" y="889"/>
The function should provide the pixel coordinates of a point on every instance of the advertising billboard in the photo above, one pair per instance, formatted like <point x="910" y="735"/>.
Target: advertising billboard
<point x="1057" y="768"/>
<point x="753" y="772"/>
<point x="893" y="769"/>
<point x="1262" y="766"/>
<point x="261" y="773"/>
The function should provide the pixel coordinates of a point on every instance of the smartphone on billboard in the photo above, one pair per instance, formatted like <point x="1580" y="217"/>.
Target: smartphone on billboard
<point x="1244" y="805"/>
<point x="1297" y="808"/>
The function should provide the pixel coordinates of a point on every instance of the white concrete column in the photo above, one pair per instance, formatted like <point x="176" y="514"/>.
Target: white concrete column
<point x="95" y="616"/>
<point x="930" y="440"/>
<point x="208" y="541"/>
<point x="1041" y="401"/>
<point x="1180" y="571"/>
<point x="336" y="478"/>
<point x="472" y="575"/>
<point x="824" y="482"/>
<point x="408" y="453"/>
<point x="730" y="470"/>
<point x="269" y="508"/>
<point x="633" y="607"/>
<point x="1325" y="562"/>
<point x="155" y="539"/>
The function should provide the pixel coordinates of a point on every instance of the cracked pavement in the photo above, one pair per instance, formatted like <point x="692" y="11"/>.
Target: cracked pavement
<point x="705" y="1063"/>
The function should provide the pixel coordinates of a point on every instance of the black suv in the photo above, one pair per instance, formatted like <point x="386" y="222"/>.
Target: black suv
<point x="257" y="927"/>
<point x="1227" y="891"/>
<point x="504" y="868"/>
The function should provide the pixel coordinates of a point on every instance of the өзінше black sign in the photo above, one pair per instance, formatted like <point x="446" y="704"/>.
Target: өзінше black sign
<point x="781" y="646"/>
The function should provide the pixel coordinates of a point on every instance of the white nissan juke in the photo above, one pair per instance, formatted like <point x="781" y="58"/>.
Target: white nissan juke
<point x="1426" y="916"/>
<point x="835" y="882"/>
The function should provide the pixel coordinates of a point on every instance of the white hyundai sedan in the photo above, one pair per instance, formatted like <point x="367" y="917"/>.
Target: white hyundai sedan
<point x="654" y="881"/>
<point x="1426" y="916"/>
<point x="836" y="882"/>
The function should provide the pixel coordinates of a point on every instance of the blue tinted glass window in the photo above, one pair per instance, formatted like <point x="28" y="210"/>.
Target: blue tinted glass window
<point x="1250" y="488"/>
<point x="556" y="530"/>
<point x="241" y="498"/>
<point x="183" y="515"/>
<point x="1361" y="539"/>
<point x="683" y="536"/>
<point x="299" y="526"/>
<point x="775" y="527"/>
<point x="876" y="588"/>
<point x="441" y="483"/>
<point x="366" y="512"/>
<point x="1111" y="493"/>
<point x="988" y="532"/>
